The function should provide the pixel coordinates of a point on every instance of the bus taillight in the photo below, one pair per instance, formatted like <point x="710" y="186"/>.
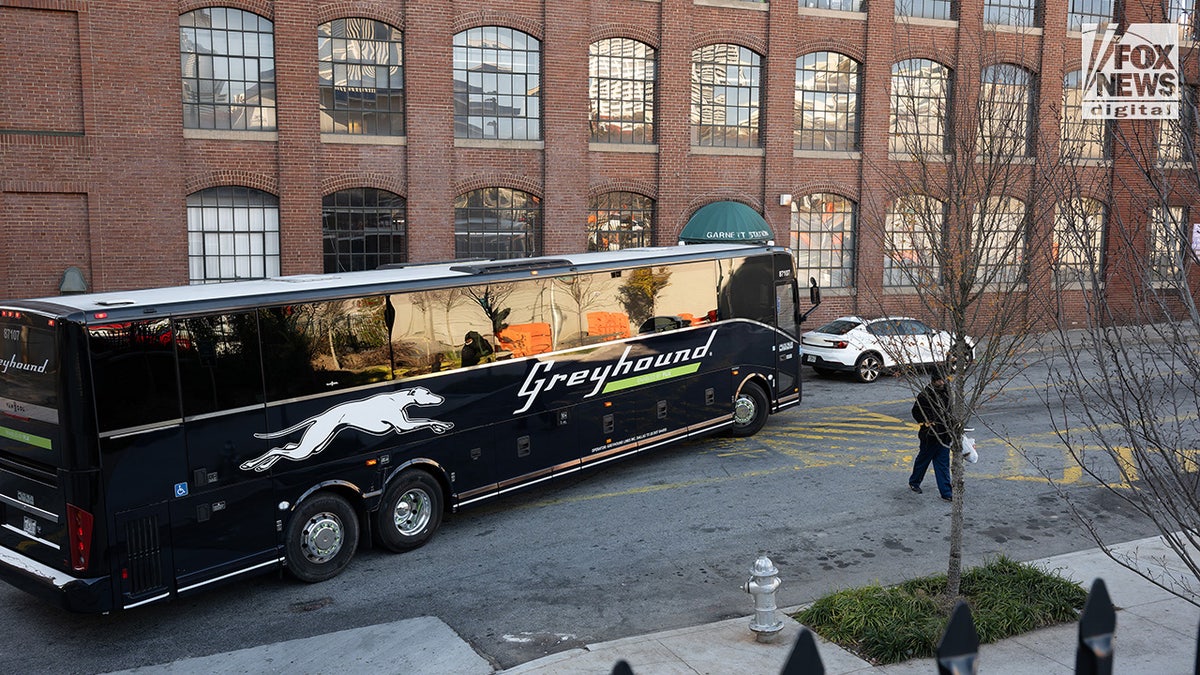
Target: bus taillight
<point x="80" y="540"/>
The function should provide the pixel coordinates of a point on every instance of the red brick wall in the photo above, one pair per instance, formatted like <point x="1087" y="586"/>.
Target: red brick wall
<point x="127" y="165"/>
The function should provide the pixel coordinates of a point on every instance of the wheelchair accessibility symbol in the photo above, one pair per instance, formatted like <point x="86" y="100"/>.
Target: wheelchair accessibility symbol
<point x="181" y="489"/>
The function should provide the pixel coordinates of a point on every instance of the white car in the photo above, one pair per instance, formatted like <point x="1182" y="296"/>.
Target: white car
<point x="869" y="347"/>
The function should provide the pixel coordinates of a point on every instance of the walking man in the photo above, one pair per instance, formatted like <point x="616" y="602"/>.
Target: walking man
<point x="931" y="410"/>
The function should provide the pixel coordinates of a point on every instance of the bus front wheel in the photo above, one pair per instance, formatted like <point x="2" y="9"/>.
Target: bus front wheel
<point x="411" y="511"/>
<point x="321" y="538"/>
<point x="750" y="410"/>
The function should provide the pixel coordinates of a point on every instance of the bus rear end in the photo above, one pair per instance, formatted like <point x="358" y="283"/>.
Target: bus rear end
<point x="47" y="518"/>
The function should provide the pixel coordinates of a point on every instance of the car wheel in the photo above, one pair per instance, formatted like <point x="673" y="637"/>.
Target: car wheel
<point x="750" y="410"/>
<point x="411" y="511"/>
<point x="869" y="367"/>
<point x="321" y="538"/>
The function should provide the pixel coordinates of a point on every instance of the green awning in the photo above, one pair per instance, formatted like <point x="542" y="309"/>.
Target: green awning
<point x="726" y="221"/>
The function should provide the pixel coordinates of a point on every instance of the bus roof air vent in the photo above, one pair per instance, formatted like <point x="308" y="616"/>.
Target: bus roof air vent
<point x="512" y="266"/>
<point x="113" y="303"/>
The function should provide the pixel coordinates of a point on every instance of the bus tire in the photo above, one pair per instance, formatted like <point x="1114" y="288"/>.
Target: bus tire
<point x="321" y="537"/>
<point x="750" y="409"/>
<point x="411" y="511"/>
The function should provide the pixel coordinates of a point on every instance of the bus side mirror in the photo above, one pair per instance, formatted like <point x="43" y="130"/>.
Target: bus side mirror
<point x="814" y="292"/>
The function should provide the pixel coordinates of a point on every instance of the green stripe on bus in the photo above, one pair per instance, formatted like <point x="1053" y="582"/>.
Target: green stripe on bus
<point x="650" y="378"/>
<point x="23" y="437"/>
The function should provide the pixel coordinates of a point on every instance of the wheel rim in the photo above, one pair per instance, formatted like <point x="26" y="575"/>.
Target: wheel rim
<point x="869" y="369"/>
<point x="744" y="410"/>
<point x="412" y="513"/>
<point x="322" y="537"/>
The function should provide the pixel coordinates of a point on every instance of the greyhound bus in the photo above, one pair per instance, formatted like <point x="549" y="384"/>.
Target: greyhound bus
<point x="156" y="442"/>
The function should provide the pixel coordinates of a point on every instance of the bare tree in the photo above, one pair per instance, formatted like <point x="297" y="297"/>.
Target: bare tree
<point x="1134" y="427"/>
<point x="965" y="212"/>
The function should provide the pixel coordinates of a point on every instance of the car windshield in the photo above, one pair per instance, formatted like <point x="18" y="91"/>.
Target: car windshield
<point x="839" y="327"/>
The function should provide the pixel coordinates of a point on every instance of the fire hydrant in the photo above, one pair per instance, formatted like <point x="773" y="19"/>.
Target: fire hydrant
<point x="763" y="583"/>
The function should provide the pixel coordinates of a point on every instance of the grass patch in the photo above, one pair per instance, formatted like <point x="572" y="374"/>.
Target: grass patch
<point x="906" y="621"/>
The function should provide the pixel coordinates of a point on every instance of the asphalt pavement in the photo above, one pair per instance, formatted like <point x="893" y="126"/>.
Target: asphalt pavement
<point x="1156" y="633"/>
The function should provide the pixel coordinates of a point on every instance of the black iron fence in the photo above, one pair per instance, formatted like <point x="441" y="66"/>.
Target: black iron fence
<point x="958" y="651"/>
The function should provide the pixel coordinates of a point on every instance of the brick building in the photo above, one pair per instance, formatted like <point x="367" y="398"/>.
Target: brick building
<point x="159" y="143"/>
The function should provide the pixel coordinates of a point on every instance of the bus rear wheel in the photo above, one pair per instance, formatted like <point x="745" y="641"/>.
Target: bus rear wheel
<point x="411" y="511"/>
<point x="321" y="538"/>
<point x="750" y="409"/>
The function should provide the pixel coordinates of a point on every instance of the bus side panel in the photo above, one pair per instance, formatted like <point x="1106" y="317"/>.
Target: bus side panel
<point x="143" y="557"/>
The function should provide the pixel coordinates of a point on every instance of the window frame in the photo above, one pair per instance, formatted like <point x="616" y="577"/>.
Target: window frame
<point x="906" y="78"/>
<point x="748" y="66"/>
<point x="385" y="112"/>
<point x="346" y="213"/>
<point x="529" y="212"/>
<point x="840" y="271"/>
<point x="223" y="66"/>
<point x="516" y="67"/>
<point x="641" y="103"/>
<point x="220" y="207"/>
<point x="846" y="100"/>
<point x="635" y="213"/>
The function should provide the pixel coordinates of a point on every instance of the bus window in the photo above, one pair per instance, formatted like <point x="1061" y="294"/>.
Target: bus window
<point x="219" y="365"/>
<point x="423" y="334"/>
<point x="324" y="346"/>
<point x="133" y="371"/>
<point x="529" y="327"/>
<point x="691" y="294"/>
<point x="748" y="289"/>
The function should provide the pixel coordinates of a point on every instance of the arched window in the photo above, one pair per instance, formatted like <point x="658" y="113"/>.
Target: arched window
<point x="497" y="84"/>
<point x="1011" y="13"/>
<point x="726" y="80"/>
<point x="233" y="234"/>
<point x="497" y="223"/>
<point x="914" y="224"/>
<point x="823" y="227"/>
<point x="621" y="75"/>
<point x="827" y="89"/>
<point x="1080" y="12"/>
<point x="618" y="220"/>
<point x="1179" y="138"/>
<point x="1169" y="244"/>
<point x="228" y="62"/>
<point x="361" y="77"/>
<point x="363" y="229"/>
<point x="920" y="107"/>
<point x="926" y="9"/>
<point x="1006" y="96"/>
<point x="1081" y="138"/>
<point x="998" y="229"/>
<point x="1078" y="252"/>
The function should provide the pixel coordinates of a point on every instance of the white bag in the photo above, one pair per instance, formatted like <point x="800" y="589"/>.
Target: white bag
<point x="969" y="454"/>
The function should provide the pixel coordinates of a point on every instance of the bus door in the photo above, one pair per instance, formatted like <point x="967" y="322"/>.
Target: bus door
<point x="787" y="343"/>
<point x="223" y="514"/>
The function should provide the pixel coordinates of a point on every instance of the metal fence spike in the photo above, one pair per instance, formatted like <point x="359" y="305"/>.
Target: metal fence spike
<point x="958" y="651"/>
<point x="804" y="659"/>
<point x="1094" y="653"/>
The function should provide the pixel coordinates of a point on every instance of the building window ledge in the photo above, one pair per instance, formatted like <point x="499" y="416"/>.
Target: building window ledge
<point x="833" y="13"/>
<point x="1032" y="31"/>
<point x="756" y="5"/>
<point x="230" y="135"/>
<point x="361" y="139"/>
<point x="644" y="148"/>
<point x="498" y="144"/>
<point x="827" y="154"/>
<point x="922" y="21"/>
<point x="743" y="152"/>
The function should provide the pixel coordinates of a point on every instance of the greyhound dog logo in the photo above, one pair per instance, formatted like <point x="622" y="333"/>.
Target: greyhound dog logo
<point x="376" y="415"/>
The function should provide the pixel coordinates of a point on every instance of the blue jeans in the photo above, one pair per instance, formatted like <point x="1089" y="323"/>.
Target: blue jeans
<point x="933" y="451"/>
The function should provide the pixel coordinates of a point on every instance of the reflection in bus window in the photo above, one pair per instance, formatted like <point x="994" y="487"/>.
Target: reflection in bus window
<point x="748" y="289"/>
<point x="219" y="364"/>
<point x="133" y="370"/>
<point x="324" y="346"/>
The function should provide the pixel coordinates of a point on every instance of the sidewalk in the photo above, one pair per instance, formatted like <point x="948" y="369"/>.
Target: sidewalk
<point x="1156" y="633"/>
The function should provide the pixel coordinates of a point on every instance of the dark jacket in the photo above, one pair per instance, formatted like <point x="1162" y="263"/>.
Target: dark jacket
<point x="932" y="410"/>
<point x="476" y="349"/>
